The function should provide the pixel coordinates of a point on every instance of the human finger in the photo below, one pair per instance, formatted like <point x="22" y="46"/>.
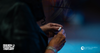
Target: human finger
<point x="62" y="43"/>
<point x="62" y="38"/>
<point x="62" y="31"/>
<point x="54" y="28"/>
<point x="55" y="24"/>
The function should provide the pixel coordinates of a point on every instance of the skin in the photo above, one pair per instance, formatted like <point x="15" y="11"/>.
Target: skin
<point x="50" y="28"/>
<point x="58" y="40"/>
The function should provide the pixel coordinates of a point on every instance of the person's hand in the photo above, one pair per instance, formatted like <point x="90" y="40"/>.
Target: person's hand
<point x="50" y="28"/>
<point x="58" y="40"/>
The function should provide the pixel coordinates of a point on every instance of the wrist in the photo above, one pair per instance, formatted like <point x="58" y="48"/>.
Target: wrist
<point x="49" y="51"/>
<point x="52" y="48"/>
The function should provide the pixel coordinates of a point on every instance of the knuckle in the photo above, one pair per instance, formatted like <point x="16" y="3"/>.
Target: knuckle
<point x="64" y="37"/>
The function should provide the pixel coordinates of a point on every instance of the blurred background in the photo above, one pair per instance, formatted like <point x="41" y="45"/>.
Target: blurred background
<point x="81" y="21"/>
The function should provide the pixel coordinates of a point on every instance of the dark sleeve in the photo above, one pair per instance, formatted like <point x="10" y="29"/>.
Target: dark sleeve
<point x="36" y="7"/>
<point x="22" y="30"/>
